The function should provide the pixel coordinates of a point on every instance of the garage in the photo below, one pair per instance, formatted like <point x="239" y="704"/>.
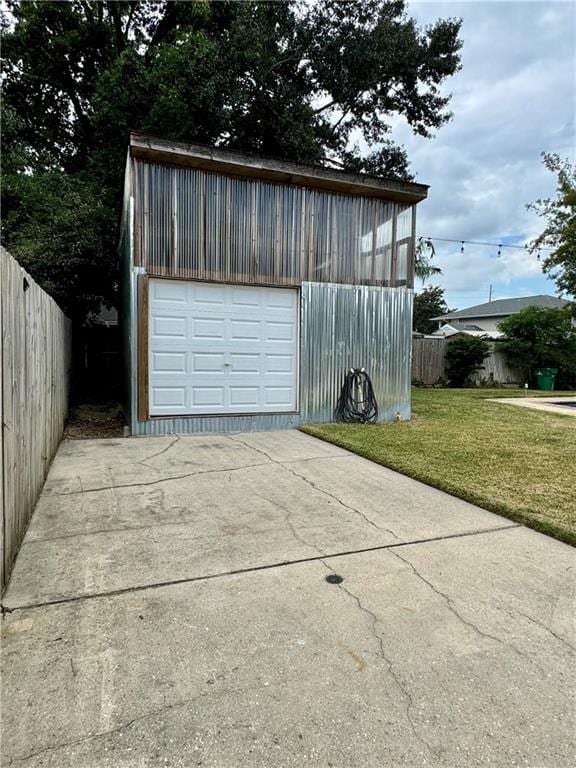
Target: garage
<point x="251" y="286"/>
<point x="222" y="349"/>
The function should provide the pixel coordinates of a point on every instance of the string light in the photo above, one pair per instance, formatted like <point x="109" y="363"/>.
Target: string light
<point x="478" y="242"/>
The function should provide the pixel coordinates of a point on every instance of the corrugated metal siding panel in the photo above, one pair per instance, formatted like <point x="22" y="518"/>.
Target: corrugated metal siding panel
<point x="341" y="327"/>
<point x="199" y="424"/>
<point x="207" y="226"/>
<point x="355" y="327"/>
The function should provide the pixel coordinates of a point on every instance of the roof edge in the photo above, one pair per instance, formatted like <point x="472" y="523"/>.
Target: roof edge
<point x="238" y="163"/>
<point x="468" y="317"/>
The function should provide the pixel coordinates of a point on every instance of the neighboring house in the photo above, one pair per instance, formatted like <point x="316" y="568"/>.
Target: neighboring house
<point x="252" y="285"/>
<point x="449" y="331"/>
<point x="482" y="320"/>
<point x="486" y="317"/>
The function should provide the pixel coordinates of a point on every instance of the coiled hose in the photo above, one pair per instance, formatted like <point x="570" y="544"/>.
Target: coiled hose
<point x="357" y="402"/>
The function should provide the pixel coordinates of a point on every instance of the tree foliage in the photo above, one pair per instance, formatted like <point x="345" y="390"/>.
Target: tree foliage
<point x="428" y="303"/>
<point x="464" y="356"/>
<point x="424" y="253"/>
<point x="541" y="338"/>
<point x="293" y="80"/>
<point x="560" y="230"/>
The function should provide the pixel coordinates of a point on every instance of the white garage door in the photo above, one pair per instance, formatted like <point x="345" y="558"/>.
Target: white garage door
<point x="217" y="348"/>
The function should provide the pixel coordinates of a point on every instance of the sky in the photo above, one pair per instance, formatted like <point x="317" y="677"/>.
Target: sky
<point x="514" y="97"/>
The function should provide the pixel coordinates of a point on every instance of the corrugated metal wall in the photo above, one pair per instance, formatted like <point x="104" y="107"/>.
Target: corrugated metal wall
<point x="342" y="326"/>
<point x="355" y="327"/>
<point x="195" y="224"/>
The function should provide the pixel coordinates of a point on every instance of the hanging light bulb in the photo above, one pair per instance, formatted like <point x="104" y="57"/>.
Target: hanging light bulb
<point x="538" y="254"/>
<point x="500" y="250"/>
<point x="462" y="248"/>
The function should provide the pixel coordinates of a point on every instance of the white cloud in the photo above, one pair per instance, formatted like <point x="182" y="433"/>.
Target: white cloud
<point x="514" y="98"/>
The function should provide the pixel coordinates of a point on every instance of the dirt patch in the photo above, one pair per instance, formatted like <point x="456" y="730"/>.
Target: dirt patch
<point x="88" y="421"/>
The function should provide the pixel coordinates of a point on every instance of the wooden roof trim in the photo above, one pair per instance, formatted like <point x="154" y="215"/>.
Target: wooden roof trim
<point x="243" y="164"/>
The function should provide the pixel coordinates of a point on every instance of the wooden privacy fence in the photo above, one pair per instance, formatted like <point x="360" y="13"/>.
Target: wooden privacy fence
<point x="428" y="359"/>
<point x="35" y="341"/>
<point x="497" y="369"/>
<point x="429" y="363"/>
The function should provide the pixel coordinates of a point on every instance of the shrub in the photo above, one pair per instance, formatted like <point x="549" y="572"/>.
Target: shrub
<point x="541" y="338"/>
<point x="464" y="356"/>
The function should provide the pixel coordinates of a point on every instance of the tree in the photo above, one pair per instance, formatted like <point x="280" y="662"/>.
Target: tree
<point x="428" y="303"/>
<point x="541" y="338"/>
<point x="464" y="356"/>
<point x="560" y="231"/>
<point x="292" y="80"/>
<point x="424" y="253"/>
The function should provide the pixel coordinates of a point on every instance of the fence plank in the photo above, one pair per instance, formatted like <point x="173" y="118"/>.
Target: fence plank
<point x="429" y="363"/>
<point x="428" y="359"/>
<point x="495" y="368"/>
<point x="35" y="341"/>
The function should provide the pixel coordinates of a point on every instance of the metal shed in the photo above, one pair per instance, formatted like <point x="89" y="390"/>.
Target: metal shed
<point x="251" y="285"/>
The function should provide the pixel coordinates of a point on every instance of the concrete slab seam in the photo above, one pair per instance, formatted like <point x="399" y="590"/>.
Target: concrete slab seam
<point x="256" y="568"/>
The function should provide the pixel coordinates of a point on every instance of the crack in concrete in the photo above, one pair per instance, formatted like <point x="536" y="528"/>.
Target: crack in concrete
<point x="543" y="626"/>
<point x="146" y="458"/>
<point x="128" y="724"/>
<point x="120" y="529"/>
<point x="343" y="504"/>
<point x="155" y="482"/>
<point x="466" y="622"/>
<point x="164" y="450"/>
<point x="317" y="487"/>
<point x="288" y="520"/>
<point x="402" y="687"/>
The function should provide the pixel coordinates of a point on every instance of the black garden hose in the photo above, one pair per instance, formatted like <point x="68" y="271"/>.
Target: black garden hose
<point x="357" y="402"/>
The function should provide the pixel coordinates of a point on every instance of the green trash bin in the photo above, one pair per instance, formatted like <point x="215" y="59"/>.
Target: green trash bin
<point x="545" y="378"/>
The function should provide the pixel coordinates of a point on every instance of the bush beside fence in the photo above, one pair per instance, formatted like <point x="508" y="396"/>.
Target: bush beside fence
<point x="429" y="364"/>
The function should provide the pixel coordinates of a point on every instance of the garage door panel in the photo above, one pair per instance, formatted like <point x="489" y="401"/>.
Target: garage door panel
<point x="241" y="297"/>
<point x="279" y="331"/>
<point x="245" y="330"/>
<point x="282" y="300"/>
<point x="173" y="362"/>
<point x="169" y="396"/>
<point x="242" y="395"/>
<point x="207" y="396"/>
<point x="165" y="326"/>
<point x="279" y="363"/>
<point x="245" y="362"/>
<point x="208" y="362"/>
<point x="169" y="291"/>
<point x="207" y="297"/>
<point x="217" y="348"/>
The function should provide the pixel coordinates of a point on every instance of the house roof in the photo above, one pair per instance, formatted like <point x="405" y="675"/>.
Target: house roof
<point x="244" y="164"/>
<point x="448" y="331"/>
<point x="505" y="307"/>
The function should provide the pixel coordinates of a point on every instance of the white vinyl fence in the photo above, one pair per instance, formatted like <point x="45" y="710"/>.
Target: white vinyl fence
<point x="35" y="339"/>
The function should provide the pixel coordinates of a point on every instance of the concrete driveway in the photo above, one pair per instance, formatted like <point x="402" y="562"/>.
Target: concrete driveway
<point x="169" y="607"/>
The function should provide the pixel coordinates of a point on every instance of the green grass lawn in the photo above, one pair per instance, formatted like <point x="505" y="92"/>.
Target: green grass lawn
<point x="514" y="461"/>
